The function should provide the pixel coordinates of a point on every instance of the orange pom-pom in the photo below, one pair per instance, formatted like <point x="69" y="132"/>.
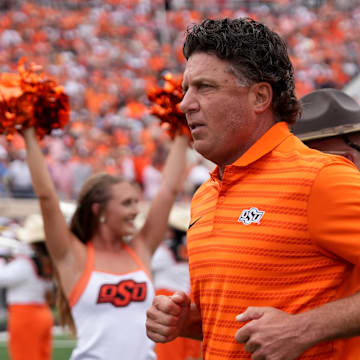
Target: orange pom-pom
<point x="29" y="99"/>
<point x="165" y="106"/>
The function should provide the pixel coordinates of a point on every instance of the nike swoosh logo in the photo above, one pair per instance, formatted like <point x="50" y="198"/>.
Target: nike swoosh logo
<point x="194" y="222"/>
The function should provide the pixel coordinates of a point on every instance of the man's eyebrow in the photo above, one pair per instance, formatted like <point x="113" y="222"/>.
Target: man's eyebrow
<point x="202" y="79"/>
<point x="197" y="81"/>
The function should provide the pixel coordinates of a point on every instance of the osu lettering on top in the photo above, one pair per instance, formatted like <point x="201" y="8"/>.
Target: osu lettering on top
<point x="123" y="293"/>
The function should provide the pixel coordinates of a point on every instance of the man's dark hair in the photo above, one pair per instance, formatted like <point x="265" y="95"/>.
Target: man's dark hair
<point x="255" y="54"/>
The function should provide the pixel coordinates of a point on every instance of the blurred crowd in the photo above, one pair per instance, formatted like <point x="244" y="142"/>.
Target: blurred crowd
<point x="107" y="54"/>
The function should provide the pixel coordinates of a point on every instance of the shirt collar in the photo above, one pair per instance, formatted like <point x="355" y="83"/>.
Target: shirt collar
<point x="268" y="142"/>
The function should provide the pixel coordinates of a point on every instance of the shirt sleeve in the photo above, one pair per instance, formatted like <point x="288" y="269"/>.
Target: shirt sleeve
<point x="334" y="211"/>
<point x="15" y="272"/>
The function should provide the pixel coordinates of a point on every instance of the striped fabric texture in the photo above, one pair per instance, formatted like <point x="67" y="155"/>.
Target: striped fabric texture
<point x="281" y="229"/>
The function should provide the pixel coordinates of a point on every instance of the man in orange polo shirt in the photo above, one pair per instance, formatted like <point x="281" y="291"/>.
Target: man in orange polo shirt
<point x="273" y="242"/>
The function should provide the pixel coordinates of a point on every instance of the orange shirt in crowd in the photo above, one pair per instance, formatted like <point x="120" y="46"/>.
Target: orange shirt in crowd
<point x="280" y="229"/>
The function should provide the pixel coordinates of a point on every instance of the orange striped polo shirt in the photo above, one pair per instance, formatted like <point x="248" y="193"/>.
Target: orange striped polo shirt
<point x="280" y="229"/>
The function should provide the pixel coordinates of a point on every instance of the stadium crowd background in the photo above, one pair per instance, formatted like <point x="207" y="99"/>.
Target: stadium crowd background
<point x="108" y="53"/>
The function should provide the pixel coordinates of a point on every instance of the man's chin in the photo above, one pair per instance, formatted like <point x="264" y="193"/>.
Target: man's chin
<point x="200" y="147"/>
<point x="203" y="149"/>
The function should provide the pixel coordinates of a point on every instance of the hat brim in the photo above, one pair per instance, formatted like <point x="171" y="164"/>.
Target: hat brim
<point x="30" y="236"/>
<point x="329" y="132"/>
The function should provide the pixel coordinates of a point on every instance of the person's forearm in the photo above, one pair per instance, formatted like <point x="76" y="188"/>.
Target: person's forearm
<point x="193" y="327"/>
<point x="334" y="320"/>
<point x="57" y="236"/>
<point x="42" y="182"/>
<point x="175" y="165"/>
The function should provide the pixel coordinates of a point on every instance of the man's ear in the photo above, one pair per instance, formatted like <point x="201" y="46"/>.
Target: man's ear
<point x="262" y="96"/>
<point x="95" y="208"/>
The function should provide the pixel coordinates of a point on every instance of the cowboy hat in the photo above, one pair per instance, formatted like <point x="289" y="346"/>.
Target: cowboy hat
<point x="327" y="112"/>
<point x="32" y="230"/>
<point x="179" y="217"/>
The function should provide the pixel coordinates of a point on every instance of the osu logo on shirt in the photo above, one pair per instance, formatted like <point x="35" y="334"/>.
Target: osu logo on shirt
<point x="123" y="293"/>
<point x="252" y="215"/>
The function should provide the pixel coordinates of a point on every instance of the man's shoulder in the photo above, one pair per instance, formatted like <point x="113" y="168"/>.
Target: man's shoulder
<point x="204" y="195"/>
<point x="204" y="187"/>
<point x="296" y="152"/>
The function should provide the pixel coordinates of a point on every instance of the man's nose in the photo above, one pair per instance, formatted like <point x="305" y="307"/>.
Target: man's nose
<point x="189" y="103"/>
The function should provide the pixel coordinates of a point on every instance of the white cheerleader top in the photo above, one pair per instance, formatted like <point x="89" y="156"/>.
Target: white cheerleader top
<point x="109" y="311"/>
